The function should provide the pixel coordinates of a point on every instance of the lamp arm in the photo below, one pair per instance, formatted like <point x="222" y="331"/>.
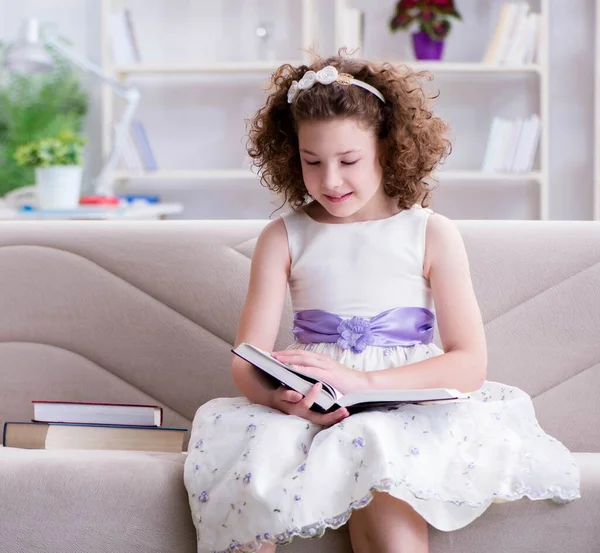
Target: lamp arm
<point x="83" y="63"/>
<point x="131" y="95"/>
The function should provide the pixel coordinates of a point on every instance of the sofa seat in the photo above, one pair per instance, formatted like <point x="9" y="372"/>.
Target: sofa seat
<point x="94" y="501"/>
<point x="98" y="501"/>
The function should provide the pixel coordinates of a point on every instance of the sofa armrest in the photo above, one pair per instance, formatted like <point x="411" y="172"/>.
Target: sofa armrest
<point x="94" y="501"/>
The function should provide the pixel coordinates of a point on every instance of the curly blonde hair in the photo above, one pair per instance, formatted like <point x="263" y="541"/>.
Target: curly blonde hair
<point x="413" y="139"/>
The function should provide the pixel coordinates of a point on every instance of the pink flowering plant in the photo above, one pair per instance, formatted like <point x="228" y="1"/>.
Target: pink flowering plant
<point x="431" y="16"/>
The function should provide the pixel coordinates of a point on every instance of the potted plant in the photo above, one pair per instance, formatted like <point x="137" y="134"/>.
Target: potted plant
<point x="432" y="18"/>
<point x="34" y="107"/>
<point x="58" y="165"/>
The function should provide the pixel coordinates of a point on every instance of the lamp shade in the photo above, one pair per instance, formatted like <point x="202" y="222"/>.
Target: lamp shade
<point x="27" y="54"/>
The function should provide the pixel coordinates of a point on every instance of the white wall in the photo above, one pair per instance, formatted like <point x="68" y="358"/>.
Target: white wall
<point x="199" y="122"/>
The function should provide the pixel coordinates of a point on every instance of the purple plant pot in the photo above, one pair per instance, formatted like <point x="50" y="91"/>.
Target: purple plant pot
<point x="426" y="48"/>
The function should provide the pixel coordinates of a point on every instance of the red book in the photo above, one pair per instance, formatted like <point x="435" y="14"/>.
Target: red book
<point x="79" y="412"/>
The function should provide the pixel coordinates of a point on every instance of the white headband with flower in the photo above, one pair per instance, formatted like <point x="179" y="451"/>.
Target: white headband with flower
<point x="328" y="75"/>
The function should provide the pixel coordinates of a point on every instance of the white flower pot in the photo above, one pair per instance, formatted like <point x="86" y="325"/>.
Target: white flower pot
<point x="58" y="187"/>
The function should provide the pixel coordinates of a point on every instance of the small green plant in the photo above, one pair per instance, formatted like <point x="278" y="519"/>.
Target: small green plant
<point x="64" y="149"/>
<point x="35" y="107"/>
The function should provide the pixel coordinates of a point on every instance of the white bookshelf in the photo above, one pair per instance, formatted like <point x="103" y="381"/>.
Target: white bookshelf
<point x="246" y="174"/>
<point x="496" y="73"/>
<point x="596" y="186"/>
<point x="243" y="177"/>
<point x="196" y="68"/>
<point x="132" y="71"/>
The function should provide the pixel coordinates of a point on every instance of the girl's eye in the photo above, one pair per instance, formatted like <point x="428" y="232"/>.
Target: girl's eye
<point x="312" y="162"/>
<point x="349" y="162"/>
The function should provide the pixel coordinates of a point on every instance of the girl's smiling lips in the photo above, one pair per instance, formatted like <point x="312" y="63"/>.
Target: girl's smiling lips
<point x="338" y="199"/>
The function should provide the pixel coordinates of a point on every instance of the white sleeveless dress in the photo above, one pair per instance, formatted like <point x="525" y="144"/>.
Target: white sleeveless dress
<point x="255" y="475"/>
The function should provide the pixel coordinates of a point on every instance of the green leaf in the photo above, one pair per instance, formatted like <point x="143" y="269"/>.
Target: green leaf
<point x="35" y="107"/>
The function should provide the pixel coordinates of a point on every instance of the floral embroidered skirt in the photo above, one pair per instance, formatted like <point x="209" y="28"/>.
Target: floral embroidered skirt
<point x="255" y="475"/>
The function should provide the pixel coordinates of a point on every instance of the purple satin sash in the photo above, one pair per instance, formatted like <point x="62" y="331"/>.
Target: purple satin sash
<point x="401" y="326"/>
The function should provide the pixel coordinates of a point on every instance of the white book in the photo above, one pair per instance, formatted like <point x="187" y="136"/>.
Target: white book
<point x="494" y="44"/>
<point x="516" y="10"/>
<point x="504" y="136"/>
<point x="492" y="145"/>
<point x="330" y="399"/>
<point x="353" y="30"/>
<point x="533" y="32"/>
<point x="123" y="50"/>
<point x="511" y="151"/>
<point x="520" y="161"/>
<point x="515" y="55"/>
<point x="528" y="144"/>
<point x="533" y="140"/>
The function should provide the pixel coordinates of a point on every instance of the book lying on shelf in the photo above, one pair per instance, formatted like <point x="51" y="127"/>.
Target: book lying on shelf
<point x="137" y="153"/>
<point x="512" y="145"/>
<point x="142" y="143"/>
<point x="516" y="37"/>
<point x="97" y="413"/>
<point x="35" y="435"/>
<point x="330" y="399"/>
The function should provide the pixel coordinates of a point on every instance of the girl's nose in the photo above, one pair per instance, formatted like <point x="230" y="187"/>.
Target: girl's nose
<point x="331" y="178"/>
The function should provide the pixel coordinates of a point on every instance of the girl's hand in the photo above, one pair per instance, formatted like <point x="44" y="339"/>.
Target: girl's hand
<point x="324" y="368"/>
<point x="294" y="403"/>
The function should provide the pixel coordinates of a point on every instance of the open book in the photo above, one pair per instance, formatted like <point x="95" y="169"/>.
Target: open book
<point x="329" y="398"/>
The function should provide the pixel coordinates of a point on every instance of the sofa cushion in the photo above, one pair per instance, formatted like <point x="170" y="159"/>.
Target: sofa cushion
<point x="94" y="501"/>
<point x="98" y="501"/>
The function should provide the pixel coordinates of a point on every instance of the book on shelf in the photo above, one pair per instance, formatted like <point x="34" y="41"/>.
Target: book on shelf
<point x="97" y="413"/>
<point x="124" y="44"/>
<point x="140" y="137"/>
<point x="352" y="26"/>
<point x="516" y="36"/>
<point x="37" y="435"/>
<point x="130" y="157"/>
<point x="330" y="399"/>
<point x="512" y="145"/>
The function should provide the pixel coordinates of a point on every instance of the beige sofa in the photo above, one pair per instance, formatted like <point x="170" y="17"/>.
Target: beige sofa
<point x="146" y="312"/>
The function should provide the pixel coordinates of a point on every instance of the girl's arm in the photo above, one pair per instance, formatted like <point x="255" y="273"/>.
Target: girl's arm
<point x="464" y="364"/>
<point x="263" y="306"/>
<point x="259" y="325"/>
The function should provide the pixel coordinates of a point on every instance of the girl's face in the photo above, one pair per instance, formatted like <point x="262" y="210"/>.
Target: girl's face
<point x="341" y="169"/>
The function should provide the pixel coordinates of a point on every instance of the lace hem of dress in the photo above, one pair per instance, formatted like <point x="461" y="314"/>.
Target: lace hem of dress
<point x="317" y="529"/>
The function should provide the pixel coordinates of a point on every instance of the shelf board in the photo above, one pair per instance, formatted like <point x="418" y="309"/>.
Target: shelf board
<point x="270" y="66"/>
<point x="485" y="176"/>
<point x="247" y="175"/>
<point x="470" y="67"/>
<point x="186" y="174"/>
<point x="199" y="68"/>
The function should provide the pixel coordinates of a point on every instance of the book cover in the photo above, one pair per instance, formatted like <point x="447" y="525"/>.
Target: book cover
<point x="35" y="435"/>
<point x="329" y="398"/>
<point x="97" y="413"/>
<point x="141" y="140"/>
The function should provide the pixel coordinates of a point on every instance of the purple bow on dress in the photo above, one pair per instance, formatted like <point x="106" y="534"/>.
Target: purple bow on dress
<point x="401" y="326"/>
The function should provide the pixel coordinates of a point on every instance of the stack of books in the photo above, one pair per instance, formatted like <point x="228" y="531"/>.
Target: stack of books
<point x="79" y="425"/>
<point x="516" y="38"/>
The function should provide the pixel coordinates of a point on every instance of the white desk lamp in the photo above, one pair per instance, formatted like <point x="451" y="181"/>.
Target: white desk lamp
<point x="29" y="55"/>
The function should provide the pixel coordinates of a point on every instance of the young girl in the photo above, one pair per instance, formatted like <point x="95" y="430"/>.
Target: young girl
<point x="370" y="269"/>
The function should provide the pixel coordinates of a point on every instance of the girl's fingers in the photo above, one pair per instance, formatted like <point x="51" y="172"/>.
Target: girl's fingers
<point x="329" y="419"/>
<point x="292" y="396"/>
<point x="311" y="397"/>
<point x="297" y="356"/>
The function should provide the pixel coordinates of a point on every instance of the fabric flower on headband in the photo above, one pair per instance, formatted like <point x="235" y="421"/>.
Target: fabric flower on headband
<point x="327" y="75"/>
